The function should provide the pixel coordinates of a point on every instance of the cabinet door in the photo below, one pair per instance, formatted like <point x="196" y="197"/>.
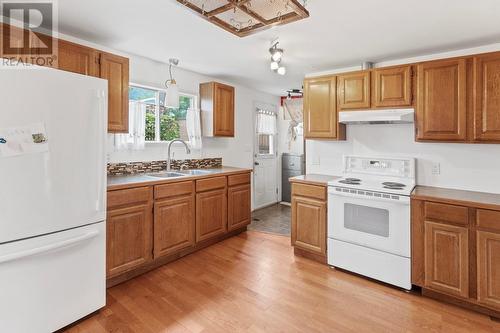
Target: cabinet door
<point x="238" y="207"/>
<point x="16" y="43"/>
<point x="115" y="69"/>
<point x="309" y="224"/>
<point x="441" y="102"/>
<point x="354" y="90"/>
<point x="78" y="59"/>
<point x="211" y="214"/>
<point x="174" y="225"/>
<point x="447" y="259"/>
<point x="392" y="87"/>
<point x="223" y="110"/>
<point x="488" y="269"/>
<point x="487" y="92"/>
<point x="320" y="111"/>
<point x="129" y="237"/>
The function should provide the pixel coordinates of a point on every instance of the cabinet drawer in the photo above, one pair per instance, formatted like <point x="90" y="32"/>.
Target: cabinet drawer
<point x="311" y="191"/>
<point x="210" y="184"/>
<point x="488" y="219"/>
<point x="174" y="189"/>
<point x="129" y="196"/>
<point x="243" y="178"/>
<point x="447" y="213"/>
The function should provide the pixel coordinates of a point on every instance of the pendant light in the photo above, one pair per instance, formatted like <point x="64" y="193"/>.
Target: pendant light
<point x="172" y="96"/>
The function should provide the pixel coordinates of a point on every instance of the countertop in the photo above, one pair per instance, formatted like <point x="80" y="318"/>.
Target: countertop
<point x="457" y="197"/>
<point x="314" y="179"/>
<point x="137" y="180"/>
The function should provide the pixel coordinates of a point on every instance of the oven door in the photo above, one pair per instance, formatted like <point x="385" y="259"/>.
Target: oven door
<point x="376" y="223"/>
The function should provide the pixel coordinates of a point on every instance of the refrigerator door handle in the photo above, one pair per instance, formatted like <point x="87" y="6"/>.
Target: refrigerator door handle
<point x="101" y="99"/>
<point x="42" y="249"/>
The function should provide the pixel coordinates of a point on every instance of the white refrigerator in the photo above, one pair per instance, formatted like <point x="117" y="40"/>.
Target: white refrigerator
<point x="52" y="197"/>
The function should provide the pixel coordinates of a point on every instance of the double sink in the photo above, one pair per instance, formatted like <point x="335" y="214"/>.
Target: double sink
<point x="183" y="173"/>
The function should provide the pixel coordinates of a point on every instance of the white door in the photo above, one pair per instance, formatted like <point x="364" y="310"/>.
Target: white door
<point x="265" y="160"/>
<point x="52" y="151"/>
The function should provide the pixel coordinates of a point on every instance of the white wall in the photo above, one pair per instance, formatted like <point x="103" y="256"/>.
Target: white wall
<point x="473" y="167"/>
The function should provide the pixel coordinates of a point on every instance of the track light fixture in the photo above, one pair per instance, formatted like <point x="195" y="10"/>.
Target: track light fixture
<point x="276" y="58"/>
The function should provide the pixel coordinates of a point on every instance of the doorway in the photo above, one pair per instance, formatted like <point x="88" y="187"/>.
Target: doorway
<point x="265" y="158"/>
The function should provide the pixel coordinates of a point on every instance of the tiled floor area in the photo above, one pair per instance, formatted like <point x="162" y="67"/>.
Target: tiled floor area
<point x="274" y="219"/>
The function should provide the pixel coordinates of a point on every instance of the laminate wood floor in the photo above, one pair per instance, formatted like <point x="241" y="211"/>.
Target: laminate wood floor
<point x="254" y="283"/>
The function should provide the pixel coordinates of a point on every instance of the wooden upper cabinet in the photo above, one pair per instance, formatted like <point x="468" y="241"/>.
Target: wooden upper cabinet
<point x="488" y="269"/>
<point x="320" y="108"/>
<point x="354" y="90"/>
<point x="115" y="69"/>
<point x="78" y="59"/>
<point x="442" y="101"/>
<point x="447" y="258"/>
<point x="217" y="106"/>
<point x="392" y="87"/>
<point x="486" y="122"/>
<point x="174" y="224"/>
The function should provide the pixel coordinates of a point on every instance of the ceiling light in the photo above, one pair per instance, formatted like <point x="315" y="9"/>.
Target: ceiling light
<point x="282" y="70"/>
<point x="274" y="65"/>
<point x="172" y="95"/>
<point x="276" y="54"/>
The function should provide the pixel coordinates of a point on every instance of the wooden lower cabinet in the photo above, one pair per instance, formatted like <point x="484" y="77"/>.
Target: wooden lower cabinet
<point x="239" y="212"/>
<point x="174" y="225"/>
<point x="309" y="224"/>
<point x="309" y="209"/>
<point x="152" y="225"/>
<point x="447" y="258"/>
<point x="129" y="238"/>
<point x="456" y="251"/>
<point x="488" y="268"/>
<point x="211" y="214"/>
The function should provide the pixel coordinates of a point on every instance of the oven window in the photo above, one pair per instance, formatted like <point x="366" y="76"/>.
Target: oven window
<point x="366" y="219"/>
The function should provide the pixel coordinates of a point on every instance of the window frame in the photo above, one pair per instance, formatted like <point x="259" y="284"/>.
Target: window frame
<point x="157" y="140"/>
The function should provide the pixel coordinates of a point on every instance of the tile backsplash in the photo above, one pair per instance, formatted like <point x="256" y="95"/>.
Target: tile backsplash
<point x="131" y="168"/>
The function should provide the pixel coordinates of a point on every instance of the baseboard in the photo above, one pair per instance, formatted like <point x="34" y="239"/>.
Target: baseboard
<point x="309" y="255"/>
<point x="463" y="303"/>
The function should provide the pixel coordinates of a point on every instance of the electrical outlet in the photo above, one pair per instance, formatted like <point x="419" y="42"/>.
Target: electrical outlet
<point x="436" y="168"/>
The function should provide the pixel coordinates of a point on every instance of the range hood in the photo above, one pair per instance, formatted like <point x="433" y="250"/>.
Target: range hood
<point x="385" y="116"/>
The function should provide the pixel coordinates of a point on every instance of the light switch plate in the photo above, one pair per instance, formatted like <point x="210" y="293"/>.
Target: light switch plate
<point x="436" y="168"/>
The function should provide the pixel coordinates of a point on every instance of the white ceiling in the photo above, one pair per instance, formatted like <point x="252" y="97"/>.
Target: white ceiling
<point x="337" y="34"/>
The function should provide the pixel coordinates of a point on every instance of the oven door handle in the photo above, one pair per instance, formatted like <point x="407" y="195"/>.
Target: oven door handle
<point x="402" y="199"/>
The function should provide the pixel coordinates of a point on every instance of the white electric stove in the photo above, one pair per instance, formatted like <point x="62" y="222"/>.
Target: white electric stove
<point x="369" y="218"/>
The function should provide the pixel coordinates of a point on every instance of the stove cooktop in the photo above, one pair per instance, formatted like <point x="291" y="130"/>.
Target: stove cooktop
<point x="402" y="187"/>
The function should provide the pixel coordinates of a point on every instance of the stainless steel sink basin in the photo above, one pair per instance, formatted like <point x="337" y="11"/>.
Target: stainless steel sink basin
<point x="196" y="172"/>
<point x="167" y="174"/>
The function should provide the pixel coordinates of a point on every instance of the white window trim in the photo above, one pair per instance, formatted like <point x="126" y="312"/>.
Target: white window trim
<point x="157" y="111"/>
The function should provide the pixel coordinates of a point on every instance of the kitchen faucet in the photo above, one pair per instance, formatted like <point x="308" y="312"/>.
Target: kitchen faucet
<point x="188" y="151"/>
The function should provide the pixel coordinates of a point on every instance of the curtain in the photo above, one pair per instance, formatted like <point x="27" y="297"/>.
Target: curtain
<point x="294" y="111"/>
<point x="136" y="137"/>
<point x="266" y="122"/>
<point x="193" y="124"/>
